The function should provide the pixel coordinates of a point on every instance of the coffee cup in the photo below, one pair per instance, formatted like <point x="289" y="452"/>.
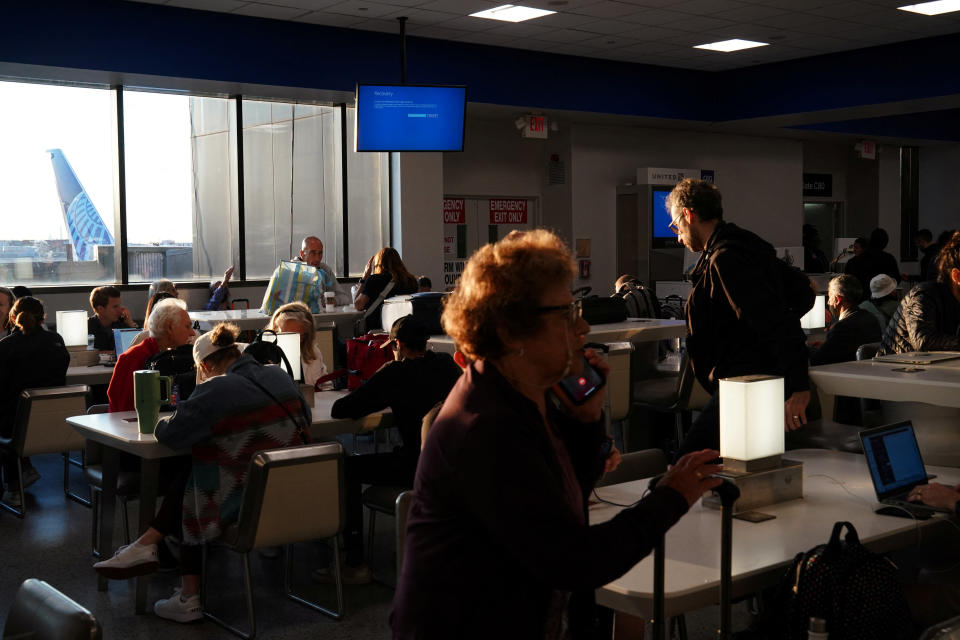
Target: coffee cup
<point x="330" y="300"/>
<point x="150" y="391"/>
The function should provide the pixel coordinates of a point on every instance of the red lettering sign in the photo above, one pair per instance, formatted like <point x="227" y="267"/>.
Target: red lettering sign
<point x="508" y="212"/>
<point x="454" y="211"/>
<point x="538" y="123"/>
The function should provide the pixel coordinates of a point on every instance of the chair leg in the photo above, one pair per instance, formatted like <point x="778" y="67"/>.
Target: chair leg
<point x="66" y="482"/>
<point x="23" y="504"/>
<point x="95" y="505"/>
<point x="370" y="531"/>
<point x="249" y="593"/>
<point x="288" y="570"/>
<point x="125" y="519"/>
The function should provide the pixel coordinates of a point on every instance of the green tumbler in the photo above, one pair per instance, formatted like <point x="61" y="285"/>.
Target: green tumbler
<point x="150" y="391"/>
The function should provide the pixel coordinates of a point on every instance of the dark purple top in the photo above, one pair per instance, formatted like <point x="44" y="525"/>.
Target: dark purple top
<point x="491" y="533"/>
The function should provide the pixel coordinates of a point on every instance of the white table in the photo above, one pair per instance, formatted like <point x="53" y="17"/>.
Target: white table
<point x="253" y="320"/>
<point x="635" y="331"/>
<point x="929" y="395"/>
<point x="119" y="432"/>
<point x="761" y="551"/>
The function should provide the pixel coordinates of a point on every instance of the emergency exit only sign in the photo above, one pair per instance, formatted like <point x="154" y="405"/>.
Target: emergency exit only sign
<point x="508" y="212"/>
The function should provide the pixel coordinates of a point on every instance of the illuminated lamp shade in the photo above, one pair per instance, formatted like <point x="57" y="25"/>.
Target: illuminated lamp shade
<point x="72" y="327"/>
<point x="290" y="344"/>
<point x="816" y="317"/>
<point x="751" y="422"/>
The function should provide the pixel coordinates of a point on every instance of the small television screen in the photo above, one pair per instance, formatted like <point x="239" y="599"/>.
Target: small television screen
<point x="410" y="117"/>
<point x="663" y="236"/>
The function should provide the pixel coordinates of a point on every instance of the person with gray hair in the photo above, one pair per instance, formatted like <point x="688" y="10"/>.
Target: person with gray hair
<point x="852" y="325"/>
<point x="169" y="327"/>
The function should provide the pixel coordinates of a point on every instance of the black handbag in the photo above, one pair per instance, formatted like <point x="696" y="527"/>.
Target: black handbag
<point x="597" y="310"/>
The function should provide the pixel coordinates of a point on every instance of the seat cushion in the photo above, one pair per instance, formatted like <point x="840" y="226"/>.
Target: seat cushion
<point x="128" y="482"/>
<point x="656" y="393"/>
<point x="382" y="498"/>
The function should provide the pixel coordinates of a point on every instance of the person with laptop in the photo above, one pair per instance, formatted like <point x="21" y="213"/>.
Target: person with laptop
<point x="108" y="314"/>
<point x="928" y="318"/>
<point x="169" y="327"/>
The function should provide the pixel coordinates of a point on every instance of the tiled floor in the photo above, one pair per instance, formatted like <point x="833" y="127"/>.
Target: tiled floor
<point x="53" y="543"/>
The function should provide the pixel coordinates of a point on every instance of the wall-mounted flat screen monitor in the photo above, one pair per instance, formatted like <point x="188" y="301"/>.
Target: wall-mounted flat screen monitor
<point x="663" y="236"/>
<point x="397" y="117"/>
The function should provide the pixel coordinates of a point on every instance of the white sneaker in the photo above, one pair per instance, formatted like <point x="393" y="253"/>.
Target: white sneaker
<point x="12" y="498"/>
<point x="178" y="608"/>
<point x="129" y="561"/>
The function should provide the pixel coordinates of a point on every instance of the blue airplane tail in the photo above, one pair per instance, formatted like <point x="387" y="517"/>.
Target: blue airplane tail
<point x="83" y="221"/>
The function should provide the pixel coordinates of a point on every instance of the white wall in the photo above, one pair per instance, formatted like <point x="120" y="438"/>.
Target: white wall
<point x="939" y="188"/>
<point x="418" y="214"/>
<point x="760" y="178"/>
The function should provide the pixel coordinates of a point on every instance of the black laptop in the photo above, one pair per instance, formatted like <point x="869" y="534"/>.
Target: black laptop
<point x="896" y="467"/>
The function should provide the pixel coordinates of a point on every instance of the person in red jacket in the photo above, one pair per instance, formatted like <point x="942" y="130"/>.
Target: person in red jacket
<point x="169" y="327"/>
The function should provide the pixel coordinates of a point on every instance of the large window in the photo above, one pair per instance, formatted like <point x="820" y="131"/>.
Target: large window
<point x="293" y="182"/>
<point x="56" y="184"/>
<point x="183" y="214"/>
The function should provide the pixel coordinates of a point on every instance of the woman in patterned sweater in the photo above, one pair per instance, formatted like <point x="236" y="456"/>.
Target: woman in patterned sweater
<point x="227" y="419"/>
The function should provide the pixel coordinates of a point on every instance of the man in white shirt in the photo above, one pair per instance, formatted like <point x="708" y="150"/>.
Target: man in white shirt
<point x="311" y="252"/>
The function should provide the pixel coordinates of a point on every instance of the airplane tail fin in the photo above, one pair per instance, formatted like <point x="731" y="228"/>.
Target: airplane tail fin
<point x="83" y="221"/>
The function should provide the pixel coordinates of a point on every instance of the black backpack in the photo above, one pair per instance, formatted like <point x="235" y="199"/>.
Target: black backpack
<point x="178" y="364"/>
<point x="266" y="352"/>
<point x="641" y="301"/>
<point x="855" y="590"/>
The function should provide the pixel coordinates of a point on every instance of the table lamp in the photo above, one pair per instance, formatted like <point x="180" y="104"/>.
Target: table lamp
<point x="289" y="343"/>
<point x="816" y="317"/>
<point x="72" y="327"/>
<point x="752" y="443"/>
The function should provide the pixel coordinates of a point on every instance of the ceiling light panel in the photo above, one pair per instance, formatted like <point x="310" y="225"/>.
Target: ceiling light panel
<point x="933" y="8"/>
<point x="727" y="46"/>
<point x="512" y="13"/>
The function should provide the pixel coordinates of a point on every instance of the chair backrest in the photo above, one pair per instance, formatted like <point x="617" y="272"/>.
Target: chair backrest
<point x="292" y="495"/>
<point x="326" y="338"/>
<point x="868" y="351"/>
<point x="40" y="612"/>
<point x="40" y="425"/>
<point x="636" y="465"/>
<point x="618" y="383"/>
<point x="691" y="396"/>
<point x="404" y="500"/>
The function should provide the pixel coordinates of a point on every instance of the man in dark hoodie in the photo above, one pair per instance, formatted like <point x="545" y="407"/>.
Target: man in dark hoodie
<point x="738" y="318"/>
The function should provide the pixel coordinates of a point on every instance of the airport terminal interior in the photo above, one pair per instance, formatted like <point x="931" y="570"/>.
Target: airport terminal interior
<point x="175" y="139"/>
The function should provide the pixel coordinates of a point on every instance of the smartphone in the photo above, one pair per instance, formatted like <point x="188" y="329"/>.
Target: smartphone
<point x="579" y="388"/>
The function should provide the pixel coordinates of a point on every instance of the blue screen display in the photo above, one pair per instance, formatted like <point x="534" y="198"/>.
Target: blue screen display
<point x="410" y="118"/>
<point x="661" y="216"/>
<point x="894" y="458"/>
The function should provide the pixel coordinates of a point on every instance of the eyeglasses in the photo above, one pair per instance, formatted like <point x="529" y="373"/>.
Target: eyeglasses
<point x="574" y="309"/>
<point x="673" y="224"/>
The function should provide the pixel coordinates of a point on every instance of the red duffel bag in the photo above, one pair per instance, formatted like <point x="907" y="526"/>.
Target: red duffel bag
<point x="365" y="357"/>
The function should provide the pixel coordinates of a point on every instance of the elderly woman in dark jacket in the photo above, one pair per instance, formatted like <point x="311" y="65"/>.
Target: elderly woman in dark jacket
<point x="498" y="534"/>
<point x="928" y="318"/>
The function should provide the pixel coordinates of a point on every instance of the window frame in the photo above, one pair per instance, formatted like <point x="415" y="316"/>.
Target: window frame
<point x="121" y="259"/>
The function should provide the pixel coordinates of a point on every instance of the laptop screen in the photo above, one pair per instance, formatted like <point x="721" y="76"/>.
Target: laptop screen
<point x="123" y="338"/>
<point x="893" y="457"/>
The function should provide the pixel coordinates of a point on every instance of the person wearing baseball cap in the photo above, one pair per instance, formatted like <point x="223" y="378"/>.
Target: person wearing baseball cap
<point x="411" y="385"/>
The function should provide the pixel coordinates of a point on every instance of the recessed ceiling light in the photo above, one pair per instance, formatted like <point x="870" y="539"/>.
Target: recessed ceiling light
<point x="933" y="8"/>
<point x="731" y="45"/>
<point x="511" y="13"/>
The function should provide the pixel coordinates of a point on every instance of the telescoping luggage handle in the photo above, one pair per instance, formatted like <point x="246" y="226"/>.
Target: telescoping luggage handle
<point x="728" y="493"/>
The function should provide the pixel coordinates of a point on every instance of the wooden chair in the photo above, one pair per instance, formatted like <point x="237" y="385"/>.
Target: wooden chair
<point x="40" y="612"/>
<point x="40" y="427"/>
<point x="291" y="495"/>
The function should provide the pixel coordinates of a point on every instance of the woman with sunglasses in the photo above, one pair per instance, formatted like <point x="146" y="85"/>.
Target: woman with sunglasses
<point x="498" y="534"/>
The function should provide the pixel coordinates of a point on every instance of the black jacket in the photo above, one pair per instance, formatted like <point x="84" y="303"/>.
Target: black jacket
<point x="927" y="320"/>
<point x="28" y="362"/>
<point x="736" y="316"/>
<point x="410" y="387"/>
<point x="857" y="328"/>
<point x="491" y="533"/>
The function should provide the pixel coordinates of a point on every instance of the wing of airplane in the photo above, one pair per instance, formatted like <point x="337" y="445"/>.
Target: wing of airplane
<point x="84" y="224"/>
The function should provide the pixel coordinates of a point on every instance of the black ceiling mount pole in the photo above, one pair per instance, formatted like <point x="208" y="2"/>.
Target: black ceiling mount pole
<point x="403" y="49"/>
